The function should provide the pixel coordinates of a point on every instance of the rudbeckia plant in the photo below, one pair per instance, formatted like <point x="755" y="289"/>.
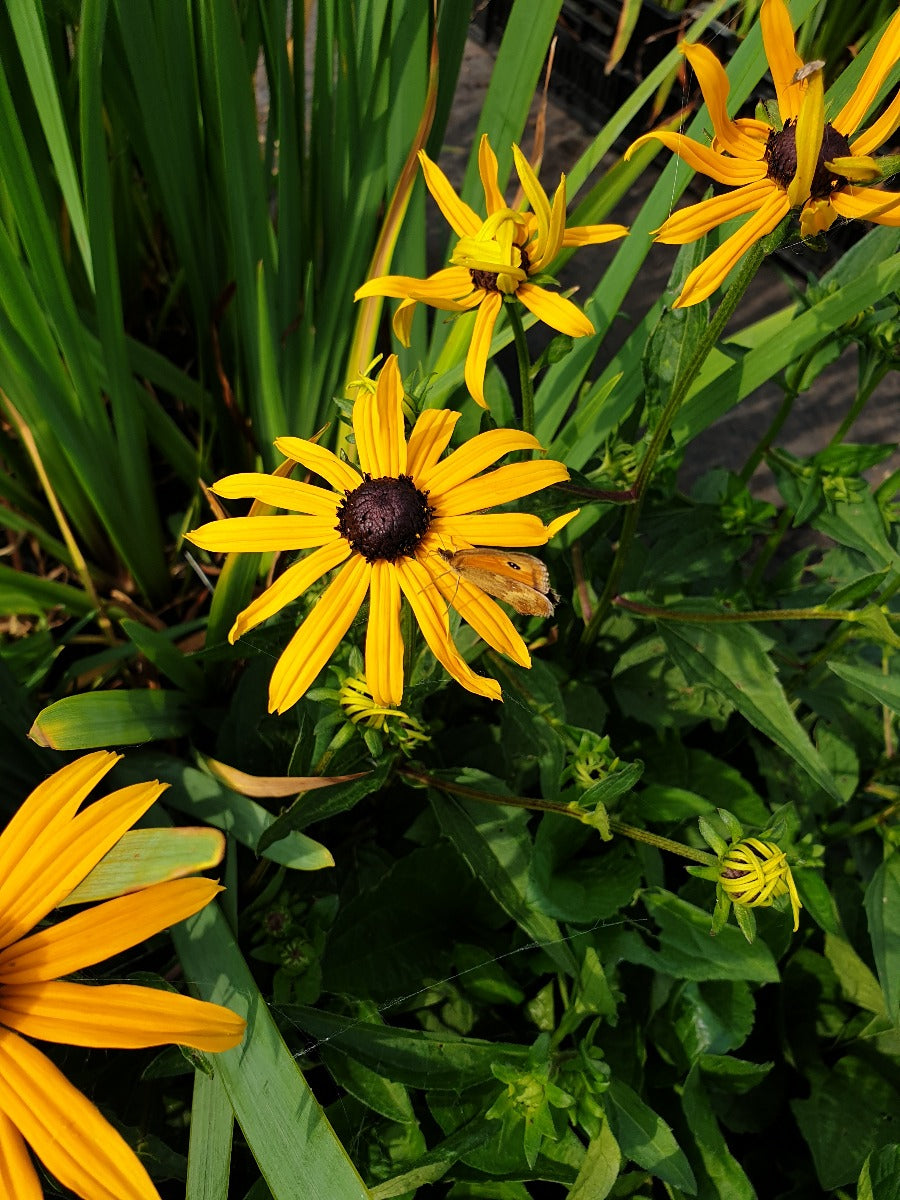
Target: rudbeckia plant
<point x="388" y="526"/>
<point x="495" y="259"/>
<point x="804" y="160"/>
<point x="45" y="852"/>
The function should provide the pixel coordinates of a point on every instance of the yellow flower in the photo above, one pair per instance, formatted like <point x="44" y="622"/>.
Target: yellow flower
<point x="384" y="526"/>
<point x="493" y="259"/>
<point x="755" y="873"/>
<point x="808" y="163"/>
<point x="45" y="851"/>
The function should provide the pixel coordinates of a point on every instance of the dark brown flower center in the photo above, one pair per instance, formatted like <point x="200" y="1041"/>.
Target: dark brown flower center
<point x="487" y="280"/>
<point x="384" y="518"/>
<point x="781" y="155"/>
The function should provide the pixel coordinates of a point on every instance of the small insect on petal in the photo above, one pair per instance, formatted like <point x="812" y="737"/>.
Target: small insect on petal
<point x="808" y="69"/>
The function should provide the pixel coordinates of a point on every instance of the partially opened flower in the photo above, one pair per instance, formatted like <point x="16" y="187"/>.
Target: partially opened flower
<point x="45" y="851"/>
<point x="494" y="259"/>
<point x="755" y="874"/>
<point x="806" y="162"/>
<point x="386" y="526"/>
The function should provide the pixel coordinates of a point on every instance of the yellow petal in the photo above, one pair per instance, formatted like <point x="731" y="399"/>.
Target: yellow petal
<point x="117" y="1015"/>
<point x="493" y="529"/>
<point x="462" y="219"/>
<point x="102" y="931"/>
<point x="715" y="87"/>
<point x="488" y="620"/>
<point x="868" y="204"/>
<point x="402" y="320"/>
<point x="51" y="806"/>
<point x="447" y="289"/>
<point x="689" y="224"/>
<point x="857" y="168"/>
<point x="429" y="439"/>
<point x="537" y="198"/>
<point x="480" y="346"/>
<point x="733" y="171"/>
<point x="784" y="61"/>
<point x="555" y="233"/>
<point x="289" y="586"/>
<point x="810" y="130"/>
<point x="554" y="310"/>
<point x="314" y="642"/>
<point x="487" y="169"/>
<point x="68" y="1134"/>
<point x="320" y="461"/>
<point x="18" y="1178"/>
<point x="816" y="217"/>
<point x="260" y="534"/>
<point x="473" y="457"/>
<point x="384" y="641"/>
<point x="280" y="493"/>
<point x="419" y="585"/>
<point x="882" y="62"/>
<point x="704" y="280"/>
<point x="378" y="425"/>
<point x="61" y="857"/>
<point x="879" y="132"/>
<point x="592" y="235"/>
<point x="497" y="487"/>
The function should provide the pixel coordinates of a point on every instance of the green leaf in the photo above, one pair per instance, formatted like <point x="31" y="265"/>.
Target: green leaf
<point x="880" y="1176"/>
<point x="324" y="802"/>
<point x="688" y="951"/>
<point x="369" y="1087"/>
<point x="644" y="1137"/>
<point x="734" y="660"/>
<point x="882" y="903"/>
<point x="723" y="1171"/>
<point x="23" y="594"/>
<point x="158" y="649"/>
<point x="117" y="718"/>
<point x="142" y="857"/>
<point x="856" y="981"/>
<point x="209" y="1152"/>
<point x="600" y="1167"/>
<point x="884" y="689"/>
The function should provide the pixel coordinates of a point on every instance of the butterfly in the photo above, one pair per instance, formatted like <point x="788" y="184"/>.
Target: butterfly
<point x="519" y="579"/>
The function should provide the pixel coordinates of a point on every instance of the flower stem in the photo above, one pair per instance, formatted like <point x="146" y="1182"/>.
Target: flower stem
<point x="712" y="618"/>
<point x="522" y="357"/>
<point x="683" y="383"/>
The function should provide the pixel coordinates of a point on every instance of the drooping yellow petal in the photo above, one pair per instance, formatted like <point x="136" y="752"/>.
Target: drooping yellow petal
<point x="419" y="584"/>
<point x="733" y="171"/>
<point x="816" y="216"/>
<point x="554" y="239"/>
<point x="402" y="320"/>
<point x="320" y="461"/>
<point x="810" y="130"/>
<point x="61" y="857"/>
<point x="314" y="642"/>
<point x="51" y="805"/>
<point x="537" y="198"/>
<point x="857" y="168"/>
<point x="493" y="529"/>
<point x="878" y="132"/>
<point x="555" y="310"/>
<point x="102" y="931"/>
<point x="67" y="1133"/>
<point x="689" y="224"/>
<point x="868" y="204"/>
<point x="289" y="586"/>
<point x="487" y="169"/>
<point x="470" y="459"/>
<point x="264" y="533"/>
<point x="704" y="280"/>
<point x="462" y="219"/>
<point x="378" y="425"/>
<point x="784" y="61"/>
<point x="440" y="289"/>
<point x="117" y="1016"/>
<point x="498" y="487"/>
<point x="280" y="493"/>
<point x="384" y="641"/>
<point x="882" y="62"/>
<point x="429" y="439"/>
<point x="715" y="87"/>
<point x="486" y="617"/>
<point x="480" y="346"/>
<point x="18" y="1178"/>
<point x="592" y="235"/>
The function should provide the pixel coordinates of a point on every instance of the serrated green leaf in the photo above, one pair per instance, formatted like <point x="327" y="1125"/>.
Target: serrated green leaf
<point x="885" y="689"/>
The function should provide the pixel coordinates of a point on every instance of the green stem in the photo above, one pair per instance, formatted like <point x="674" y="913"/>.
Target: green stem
<point x="719" y="618"/>
<point x="522" y="357"/>
<point x="784" y="411"/>
<point x="772" y="542"/>
<point x="680" y="389"/>
<point x="870" y="381"/>
<point x="562" y="810"/>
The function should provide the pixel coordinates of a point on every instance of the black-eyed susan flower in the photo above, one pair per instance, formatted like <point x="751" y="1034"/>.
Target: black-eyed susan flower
<point x="755" y="874"/>
<point x="808" y="163"/>
<point x="494" y="259"/>
<point x="385" y="526"/>
<point x="45" y="851"/>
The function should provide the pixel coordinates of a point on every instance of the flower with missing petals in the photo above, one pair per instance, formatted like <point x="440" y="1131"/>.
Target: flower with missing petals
<point x="494" y="260"/>
<point x="802" y="160"/>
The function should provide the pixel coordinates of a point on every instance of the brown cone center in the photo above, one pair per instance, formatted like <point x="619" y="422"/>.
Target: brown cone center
<point x="384" y="518"/>
<point x="781" y="156"/>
